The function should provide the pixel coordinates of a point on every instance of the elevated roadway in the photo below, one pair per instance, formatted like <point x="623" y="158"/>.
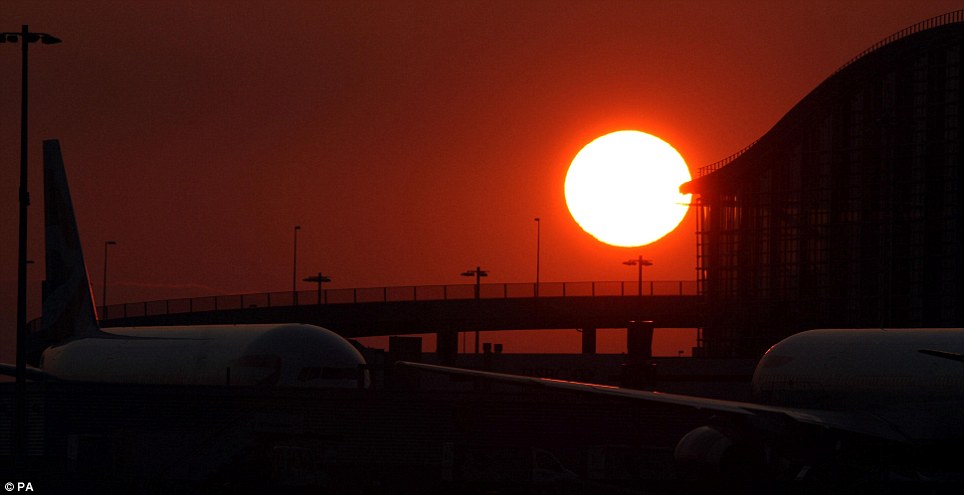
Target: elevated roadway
<point x="434" y="309"/>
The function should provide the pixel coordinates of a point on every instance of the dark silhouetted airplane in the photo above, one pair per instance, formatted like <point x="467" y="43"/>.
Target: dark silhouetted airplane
<point x="291" y="355"/>
<point x="884" y="403"/>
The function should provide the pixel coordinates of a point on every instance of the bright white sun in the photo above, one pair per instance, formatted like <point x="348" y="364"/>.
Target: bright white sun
<point x="623" y="188"/>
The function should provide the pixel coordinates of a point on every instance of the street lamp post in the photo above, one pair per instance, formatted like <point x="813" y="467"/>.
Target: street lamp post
<point x="478" y="273"/>
<point x="320" y="279"/>
<point x="20" y="414"/>
<point x="294" y="270"/>
<point x="639" y="262"/>
<point x="103" y="294"/>
<point x="538" y="252"/>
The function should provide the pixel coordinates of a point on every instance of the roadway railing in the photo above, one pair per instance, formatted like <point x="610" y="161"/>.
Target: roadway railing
<point x="938" y="21"/>
<point x="713" y="167"/>
<point x="397" y="294"/>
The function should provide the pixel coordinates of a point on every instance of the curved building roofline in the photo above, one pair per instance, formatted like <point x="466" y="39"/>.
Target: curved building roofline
<point x="810" y="104"/>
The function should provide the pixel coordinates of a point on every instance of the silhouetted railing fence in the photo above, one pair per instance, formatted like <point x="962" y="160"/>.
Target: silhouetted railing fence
<point x="941" y="20"/>
<point x="398" y="294"/>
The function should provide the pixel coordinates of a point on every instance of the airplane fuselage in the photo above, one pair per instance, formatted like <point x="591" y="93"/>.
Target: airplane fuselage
<point x="289" y="355"/>
<point x="879" y="371"/>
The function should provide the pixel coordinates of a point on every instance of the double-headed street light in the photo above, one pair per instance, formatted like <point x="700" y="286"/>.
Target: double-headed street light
<point x="25" y="37"/>
<point x="319" y="279"/>
<point x="639" y="262"/>
<point x="478" y="273"/>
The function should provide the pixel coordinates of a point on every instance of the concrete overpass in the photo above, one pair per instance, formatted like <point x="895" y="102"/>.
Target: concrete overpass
<point x="442" y="309"/>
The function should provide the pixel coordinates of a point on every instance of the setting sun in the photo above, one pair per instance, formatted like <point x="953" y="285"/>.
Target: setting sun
<point x="623" y="188"/>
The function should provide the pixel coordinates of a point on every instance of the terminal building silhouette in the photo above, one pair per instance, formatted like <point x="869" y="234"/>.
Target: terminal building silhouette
<point x="849" y="212"/>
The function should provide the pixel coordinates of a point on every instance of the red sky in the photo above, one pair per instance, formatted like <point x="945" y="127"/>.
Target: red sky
<point x="410" y="140"/>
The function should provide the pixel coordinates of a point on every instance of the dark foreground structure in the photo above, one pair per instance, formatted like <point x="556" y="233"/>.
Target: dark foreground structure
<point x="849" y="212"/>
<point x="89" y="438"/>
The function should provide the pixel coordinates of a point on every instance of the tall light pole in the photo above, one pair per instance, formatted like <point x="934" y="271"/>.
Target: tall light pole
<point x="20" y="414"/>
<point x="103" y="294"/>
<point x="538" y="252"/>
<point x="294" y="270"/>
<point x="639" y="262"/>
<point x="478" y="273"/>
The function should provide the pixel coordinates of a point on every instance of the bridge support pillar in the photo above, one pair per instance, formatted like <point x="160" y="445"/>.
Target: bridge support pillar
<point x="589" y="340"/>
<point x="447" y="347"/>
<point x="639" y="371"/>
<point x="639" y="340"/>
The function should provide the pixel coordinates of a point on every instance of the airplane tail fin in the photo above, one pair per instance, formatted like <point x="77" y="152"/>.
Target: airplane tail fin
<point x="68" y="304"/>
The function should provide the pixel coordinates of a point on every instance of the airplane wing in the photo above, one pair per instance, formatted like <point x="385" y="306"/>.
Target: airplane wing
<point x="32" y="373"/>
<point x="856" y="422"/>
<point x="953" y="356"/>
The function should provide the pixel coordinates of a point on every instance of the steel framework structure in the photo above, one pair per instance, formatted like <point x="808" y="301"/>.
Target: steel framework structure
<point x="848" y="213"/>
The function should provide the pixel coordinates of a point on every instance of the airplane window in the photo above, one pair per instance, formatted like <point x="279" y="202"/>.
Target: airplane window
<point x="309" y="373"/>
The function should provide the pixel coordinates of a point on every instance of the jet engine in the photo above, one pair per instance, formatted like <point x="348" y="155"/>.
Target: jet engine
<point x="711" y="452"/>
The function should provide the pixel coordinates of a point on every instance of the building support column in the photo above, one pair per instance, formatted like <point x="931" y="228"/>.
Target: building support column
<point x="589" y="340"/>
<point x="447" y="347"/>
<point x="639" y="340"/>
<point x="639" y="371"/>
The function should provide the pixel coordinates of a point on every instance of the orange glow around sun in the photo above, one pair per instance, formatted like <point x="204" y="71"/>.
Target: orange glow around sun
<point x="623" y="188"/>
